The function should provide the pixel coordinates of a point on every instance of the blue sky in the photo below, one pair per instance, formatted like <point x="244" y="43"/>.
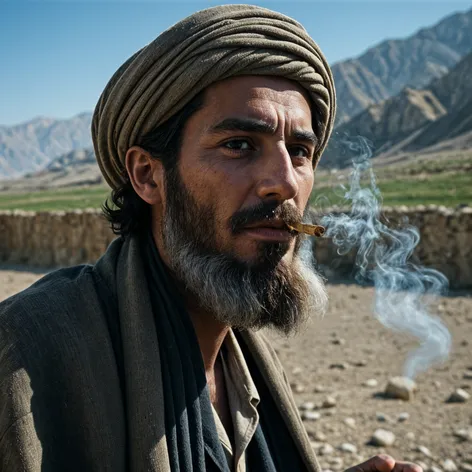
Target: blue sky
<point x="57" y="56"/>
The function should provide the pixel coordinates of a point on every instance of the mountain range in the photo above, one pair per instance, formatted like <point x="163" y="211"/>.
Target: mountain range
<point x="404" y="94"/>
<point x="436" y="117"/>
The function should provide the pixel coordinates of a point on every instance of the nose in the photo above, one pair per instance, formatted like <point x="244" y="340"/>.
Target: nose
<point x="276" y="176"/>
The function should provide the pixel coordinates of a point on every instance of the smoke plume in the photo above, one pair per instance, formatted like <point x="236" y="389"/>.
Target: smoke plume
<point x="404" y="291"/>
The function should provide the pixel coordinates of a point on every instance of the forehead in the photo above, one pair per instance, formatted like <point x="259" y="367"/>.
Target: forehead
<point x="262" y="97"/>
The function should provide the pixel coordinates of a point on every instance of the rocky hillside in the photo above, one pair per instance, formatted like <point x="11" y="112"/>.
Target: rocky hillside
<point x="31" y="146"/>
<point x="386" y="69"/>
<point x="413" y="120"/>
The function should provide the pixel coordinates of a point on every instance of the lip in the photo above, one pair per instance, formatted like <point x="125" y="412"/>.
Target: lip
<point x="265" y="233"/>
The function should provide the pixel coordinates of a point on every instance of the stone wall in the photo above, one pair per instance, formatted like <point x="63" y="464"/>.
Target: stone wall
<point x="67" y="238"/>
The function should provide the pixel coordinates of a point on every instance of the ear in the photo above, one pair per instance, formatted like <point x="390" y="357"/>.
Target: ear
<point x="146" y="174"/>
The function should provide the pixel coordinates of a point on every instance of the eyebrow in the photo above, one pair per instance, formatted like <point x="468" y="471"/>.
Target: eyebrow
<point x="253" y="125"/>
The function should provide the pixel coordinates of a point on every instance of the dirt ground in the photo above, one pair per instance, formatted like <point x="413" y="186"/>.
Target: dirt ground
<point x="335" y="355"/>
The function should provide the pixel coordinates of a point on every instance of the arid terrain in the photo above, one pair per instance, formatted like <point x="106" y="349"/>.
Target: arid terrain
<point x="336" y="355"/>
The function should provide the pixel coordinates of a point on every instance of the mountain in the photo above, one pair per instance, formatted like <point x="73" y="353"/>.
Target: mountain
<point x="396" y="70"/>
<point x="413" y="120"/>
<point x="32" y="145"/>
<point x="386" y="69"/>
<point x="75" y="168"/>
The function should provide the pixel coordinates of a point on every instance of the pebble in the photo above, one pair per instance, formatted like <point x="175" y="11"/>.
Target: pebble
<point x="319" y="389"/>
<point x="466" y="467"/>
<point x="437" y="383"/>
<point x="370" y="383"/>
<point x="433" y="468"/>
<point x="319" y="436"/>
<point x="459" y="396"/>
<point x="402" y="417"/>
<point x="382" y="437"/>
<point x="329" y="402"/>
<point x="297" y="370"/>
<point x="330" y="412"/>
<point x="351" y="422"/>
<point x="468" y="375"/>
<point x="336" y="463"/>
<point x="338" y="341"/>
<point x="410" y="436"/>
<point x="449" y="466"/>
<point x="326" y="450"/>
<point x="310" y="415"/>
<point x="348" y="447"/>
<point x="382" y="418"/>
<point x="424" y="450"/>
<point x="361" y="363"/>
<point x="297" y="387"/>
<point x="339" y="365"/>
<point x="307" y="406"/>
<point x="400" y="388"/>
<point x="464" y="434"/>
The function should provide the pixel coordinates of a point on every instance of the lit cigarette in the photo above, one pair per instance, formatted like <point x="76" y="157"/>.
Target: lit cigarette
<point x="312" y="230"/>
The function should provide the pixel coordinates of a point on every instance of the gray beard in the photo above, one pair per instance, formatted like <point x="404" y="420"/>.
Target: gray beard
<point x="268" y="294"/>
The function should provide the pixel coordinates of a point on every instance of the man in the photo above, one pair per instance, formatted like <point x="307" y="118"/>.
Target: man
<point x="150" y="360"/>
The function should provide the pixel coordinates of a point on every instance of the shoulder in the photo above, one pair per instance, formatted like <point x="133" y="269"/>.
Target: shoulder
<point x="49" y="313"/>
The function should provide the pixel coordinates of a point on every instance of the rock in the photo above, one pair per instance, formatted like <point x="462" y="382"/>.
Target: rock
<point x="449" y="465"/>
<point x="338" y="341"/>
<point x="459" y="396"/>
<point x="319" y="436"/>
<point x="307" y="406"/>
<point x="410" y="436"/>
<point x="382" y="437"/>
<point x="466" y="467"/>
<point x="326" y="450"/>
<point x="351" y="422"/>
<point x="370" y="383"/>
<point x="310" y="416"/>
<point x="336" y="463"/>
<point x="401" y="388"/>
<point x="297" y="387"/>
<point x="348" y="447"/>
<point x="464" y="434"/>
<point x="297" y="370"/>
<point x="339" y="365"/>
<point x="330" y="412"/>
<point x="382" y="418"/>
<point x="433" y="468"/>
<point x="402" y="417"/>
<point x="319" y="389"/>
<point x="329" y="402"/>
<point x="437" y="383"/>
<point x="361" y="363"/>
<point x="424" y="450"/>
<point x="467" y="375"/>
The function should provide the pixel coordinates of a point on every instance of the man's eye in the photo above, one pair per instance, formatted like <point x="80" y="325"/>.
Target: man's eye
<point x="238" y="145"/>
<point x="300" y="151"/>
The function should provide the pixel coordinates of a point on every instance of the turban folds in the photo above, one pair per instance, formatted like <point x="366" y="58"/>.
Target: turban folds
<point x="208" y="46"/>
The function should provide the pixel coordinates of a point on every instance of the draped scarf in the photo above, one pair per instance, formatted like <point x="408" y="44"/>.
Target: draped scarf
<point x="192" y="439"/>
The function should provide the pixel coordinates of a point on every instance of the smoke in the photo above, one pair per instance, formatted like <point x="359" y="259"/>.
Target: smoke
<point x="404" y="291"/>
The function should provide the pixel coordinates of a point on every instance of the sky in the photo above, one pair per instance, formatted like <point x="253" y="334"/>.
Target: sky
<point x="57" y="56"/>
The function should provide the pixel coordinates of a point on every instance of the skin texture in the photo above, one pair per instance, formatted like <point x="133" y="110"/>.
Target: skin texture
<point x="238" y="166"/>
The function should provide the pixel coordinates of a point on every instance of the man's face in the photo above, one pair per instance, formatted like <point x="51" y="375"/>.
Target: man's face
<point x="245" y="167"/>
<point x="250" y="144"/>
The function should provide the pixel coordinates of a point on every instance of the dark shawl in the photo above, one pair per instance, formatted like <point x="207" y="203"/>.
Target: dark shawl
<point x="86" y="377"/>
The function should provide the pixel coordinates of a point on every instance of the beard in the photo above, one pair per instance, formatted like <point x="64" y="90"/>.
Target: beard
<point x="268" y="292"/>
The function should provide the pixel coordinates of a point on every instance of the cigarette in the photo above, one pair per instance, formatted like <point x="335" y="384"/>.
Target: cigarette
<point x="312" y="230"/>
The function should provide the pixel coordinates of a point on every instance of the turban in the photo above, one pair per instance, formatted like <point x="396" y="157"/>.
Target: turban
<point x="208" y="46"/>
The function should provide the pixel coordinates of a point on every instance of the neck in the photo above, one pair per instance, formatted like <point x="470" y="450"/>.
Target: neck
<point x="210" y="334"/>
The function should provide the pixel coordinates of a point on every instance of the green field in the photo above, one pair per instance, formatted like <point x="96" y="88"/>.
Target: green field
<point x="442" y="180"/>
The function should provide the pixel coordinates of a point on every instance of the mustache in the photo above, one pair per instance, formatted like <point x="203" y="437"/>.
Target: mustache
<point x="265" y="211"/>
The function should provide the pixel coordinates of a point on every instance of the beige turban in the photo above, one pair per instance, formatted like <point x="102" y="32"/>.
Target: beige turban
<point x="208" y="46"/>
